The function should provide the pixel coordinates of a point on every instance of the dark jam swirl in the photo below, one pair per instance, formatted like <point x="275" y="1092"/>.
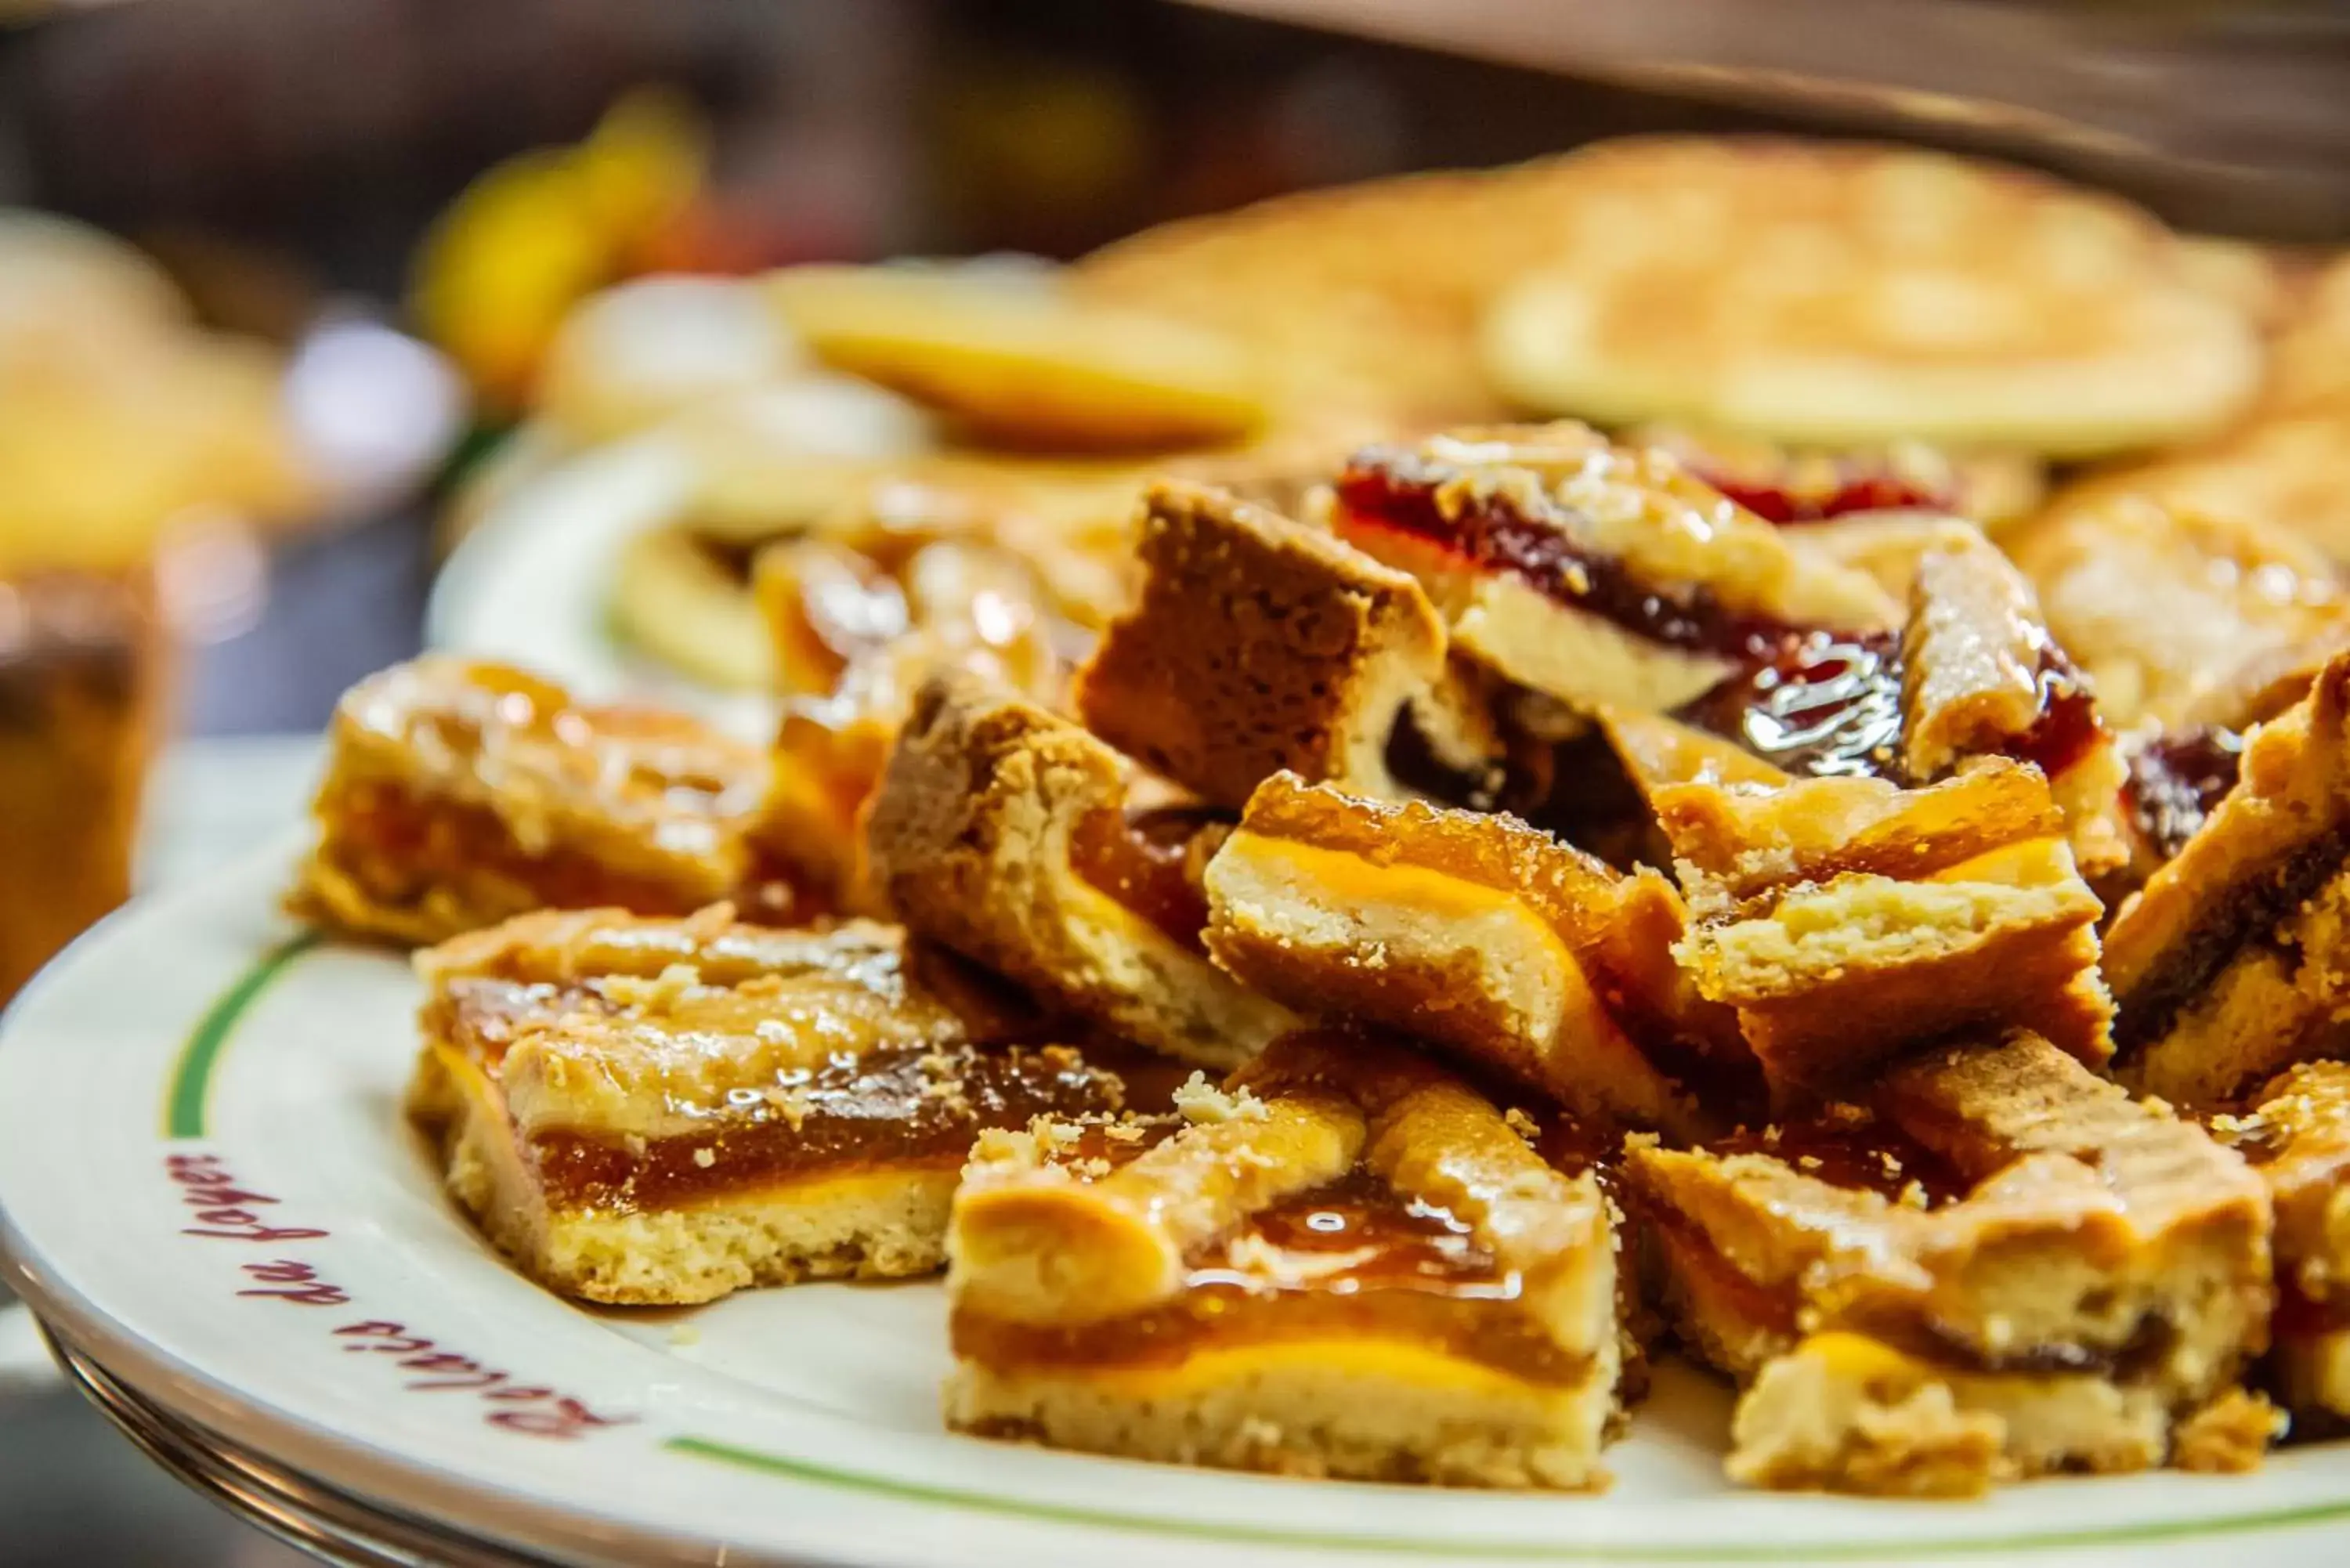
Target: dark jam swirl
<point x="1530" y="535"/>
<point x="2178" y="780"/>
<point x="1823" y="704"/>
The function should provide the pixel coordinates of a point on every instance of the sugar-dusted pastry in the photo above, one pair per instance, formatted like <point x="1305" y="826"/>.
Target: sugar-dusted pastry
<point x="2002" y="1266"/>
<point x="1590" y="573"/>
<point x="1346" y="1262"/>
<point x="1483" y="934"/>
<point x="2181" y="616"/>
<point x="1845" y="918"/>
<point x="1007" y="833"/>
<point x="1837" y="293"/>
<point x="2233" y="961"/>
<point x="1258" y="644"/>
<point x="2297" y="1134"/>
<point x="459" y="793"/>
<point x="665" y="1111"/>
<point x="1021" y="363"/>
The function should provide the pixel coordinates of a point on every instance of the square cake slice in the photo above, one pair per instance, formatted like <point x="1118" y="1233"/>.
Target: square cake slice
<point x="1482" y="935"/>
<point x="2233" y="961"/>
<point x="2000" y="1266"/>
<point x="1846" y="918"/>
<point x="460" y="792"/>
<point x="1346" y="1262"/>
<point x="655" y="1111"/>
<point x="2297" y="1134"/>
<point x="1590" y="573"/>
<point x="1010" y="835"/>
<point x="1258" y="643"/>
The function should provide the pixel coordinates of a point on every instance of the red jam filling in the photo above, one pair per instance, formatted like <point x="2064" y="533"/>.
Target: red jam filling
<point x="1528" y="536"/>
<point x="1819" y="705"/>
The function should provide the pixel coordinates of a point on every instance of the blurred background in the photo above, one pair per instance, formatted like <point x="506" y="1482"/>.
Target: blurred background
<point x="283" y="286"/>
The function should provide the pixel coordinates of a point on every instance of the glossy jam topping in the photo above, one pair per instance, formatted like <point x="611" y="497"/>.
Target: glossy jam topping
<point x="2068" y="727"/>
<point x="2177" y="780"/>
<point x="1848" y="1146"/>
<point x="1144" y="860"/>
<point x="891" y="1108"/>
<point x="1529" y="536"/>
<point x="1351" y="1235"/>
<point x="1351" y="1260"/>
<point x="1818" y="705"/>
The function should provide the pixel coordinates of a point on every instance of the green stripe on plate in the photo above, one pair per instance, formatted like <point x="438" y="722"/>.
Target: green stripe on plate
<point x="192" y="1076"/>
<point x="1180" y="1528"/>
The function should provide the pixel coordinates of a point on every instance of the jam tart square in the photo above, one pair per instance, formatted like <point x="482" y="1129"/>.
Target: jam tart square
<point x="1011" y="836"/>
<point x="2233" y="961"/>
<point x="1345" y="1262"/>
<point x="1485" y="936"/>
<point x="662" y="1111"/>
<point x="2001" y="1265"/>
<point x="459" y="793"/>
<point x="1257" y="644"/>
<point x="1848" y="919"/>
<point x="2295" y="1132"/>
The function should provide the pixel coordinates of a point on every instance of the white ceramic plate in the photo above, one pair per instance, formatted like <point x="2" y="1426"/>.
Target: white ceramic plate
<point x="207" y="1185"/>
<point x="532" y="582"/>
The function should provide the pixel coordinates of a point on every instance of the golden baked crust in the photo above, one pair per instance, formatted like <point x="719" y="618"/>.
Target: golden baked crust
<point x="459" y="793"/>
<point x="1346" y="1262"/>
<point x="665" y="1111"/>
<point x="1843" y="293"/>
<point x="1982" y="676"/>
<point x="1482" y="935"/>
<point x="2297" y="1134"/>
<point x="2230" y="963"/>
<point x="1258" y="644"/>
<point x="2180" y="616"/>
<point x="1846" y="918"/>
<point x="1590" y="573"/>
<point x="979" y="837"/>
<point x="2037" y="1227"/>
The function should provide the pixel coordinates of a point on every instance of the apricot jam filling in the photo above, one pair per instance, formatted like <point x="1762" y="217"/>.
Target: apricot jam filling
<point x="1144" y="861"/>
<point x="1848" y="1147"/>
<point x="894" y="1109"/>
<point x="1351" y="1260"/>
<point x="406" y="844"/>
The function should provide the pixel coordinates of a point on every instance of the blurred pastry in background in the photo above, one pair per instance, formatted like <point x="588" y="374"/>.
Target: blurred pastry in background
<point x="1847" y="293"/>
<point x="124" y="429"/>
<point x="1016" y="363"/>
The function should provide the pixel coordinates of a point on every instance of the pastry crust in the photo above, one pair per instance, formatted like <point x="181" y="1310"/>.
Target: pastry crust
<point x="2230" y="963"/>
<point x="1162" y="1305"/>
<point x="1480" y="934"/>
<point x="459" y="793"/>
<point x="1258" y="644"/>
<point x="1842" y="293"/>
<point x="972" y="838"/>
<point x="2180" y="616"/>
<point x="1847" y="918"/>
<point x="2097" y="1267"/>
<point x="666" y="1111"/>
<point x="2296" y="1134"/>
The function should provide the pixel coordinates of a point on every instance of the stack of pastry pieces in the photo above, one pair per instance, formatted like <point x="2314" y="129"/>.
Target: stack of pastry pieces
<point x="1819" y="1078"/>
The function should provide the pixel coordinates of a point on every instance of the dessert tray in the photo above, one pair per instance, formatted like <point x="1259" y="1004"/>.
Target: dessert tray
<point x="335" y="1315"/>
